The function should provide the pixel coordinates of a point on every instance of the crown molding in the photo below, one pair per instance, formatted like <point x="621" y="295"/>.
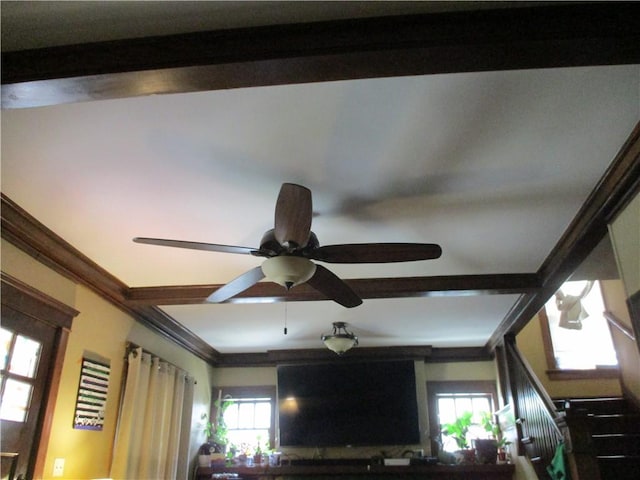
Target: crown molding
<point x="28" y="234"/>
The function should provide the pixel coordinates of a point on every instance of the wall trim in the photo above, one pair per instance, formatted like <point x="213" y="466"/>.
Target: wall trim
<point x="26" y="299"/>
<point x="425" y="354"/>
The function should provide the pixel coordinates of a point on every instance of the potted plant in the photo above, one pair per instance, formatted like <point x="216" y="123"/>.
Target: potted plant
<point x="216" y="434"/>
<point x="204" y="455"/>
<point x="207" y="448"/>
<point x="257" y="453"/>
<point x="244" y="453"/>
<point x="217" y="430"/>
<point x="459" y="430"/>
<point x="262" y="451"/>
<point x="487" y="449"/>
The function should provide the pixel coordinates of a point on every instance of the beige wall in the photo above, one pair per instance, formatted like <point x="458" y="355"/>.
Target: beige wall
<point x="625" y="236"/>
<point x="20" y="265"/>
<point x="102" y="329"/>
<point x="626" y="348"/>
<point x="460" y="371"/>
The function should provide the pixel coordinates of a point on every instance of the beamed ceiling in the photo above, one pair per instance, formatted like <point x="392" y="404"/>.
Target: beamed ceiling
<point x="507" y="135"/>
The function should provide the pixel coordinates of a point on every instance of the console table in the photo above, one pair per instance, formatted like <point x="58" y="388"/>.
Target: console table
<point x="358" y="472"/>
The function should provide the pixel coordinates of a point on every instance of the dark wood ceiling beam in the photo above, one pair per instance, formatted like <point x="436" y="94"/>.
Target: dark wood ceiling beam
<point x="424" y="353"/>
<point x="367" y="288"/>
<point x="504" y="39"/>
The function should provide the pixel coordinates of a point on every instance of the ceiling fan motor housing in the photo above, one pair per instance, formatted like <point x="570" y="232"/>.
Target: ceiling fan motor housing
<point x="269" y="244"/>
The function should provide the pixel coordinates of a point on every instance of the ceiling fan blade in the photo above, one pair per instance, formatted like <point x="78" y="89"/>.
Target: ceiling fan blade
<point x="212" y="247"/>
<point x="236" y="286"/>
<point x="327" y="282"/>
<point x="293" y="215"/>
<point x="376" y="252"/>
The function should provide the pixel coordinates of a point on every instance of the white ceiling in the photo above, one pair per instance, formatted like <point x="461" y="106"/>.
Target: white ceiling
<point x="492" y="166"/>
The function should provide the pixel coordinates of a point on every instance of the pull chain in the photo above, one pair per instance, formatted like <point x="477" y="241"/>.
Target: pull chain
<point x="285" y="317"/>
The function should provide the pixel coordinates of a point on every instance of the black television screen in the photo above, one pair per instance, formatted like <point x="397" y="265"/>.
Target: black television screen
<point x="348" y="403"/>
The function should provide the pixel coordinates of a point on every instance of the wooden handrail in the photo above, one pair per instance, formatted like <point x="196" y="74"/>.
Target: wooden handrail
<point x="539" y="425"/>
<point x="550" y="409"/>
<point x="616" y="322"/>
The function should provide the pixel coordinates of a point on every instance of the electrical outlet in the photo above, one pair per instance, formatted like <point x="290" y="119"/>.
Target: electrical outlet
<point x="58" y="467"/>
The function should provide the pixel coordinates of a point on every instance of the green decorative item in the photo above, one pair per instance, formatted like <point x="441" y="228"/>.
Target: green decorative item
<point x="493" y="429"/>
<point x="459" y="429"/>
<point x="216" y="431"/>
<point x="487" y="450"/>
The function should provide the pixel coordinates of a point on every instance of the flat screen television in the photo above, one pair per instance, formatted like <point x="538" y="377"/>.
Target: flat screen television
<point x="348" y="403"/>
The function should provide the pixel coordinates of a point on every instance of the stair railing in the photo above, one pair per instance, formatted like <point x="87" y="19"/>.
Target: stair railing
<point x="617" y="323"/>
<point x="540" y="426"/>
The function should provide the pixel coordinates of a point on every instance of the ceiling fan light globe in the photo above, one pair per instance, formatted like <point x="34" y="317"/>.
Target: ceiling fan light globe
<point x="339" y="343"/>
<point x="288" y="271"/>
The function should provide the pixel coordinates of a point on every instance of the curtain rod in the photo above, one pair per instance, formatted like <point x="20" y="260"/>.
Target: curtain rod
<point x="132" y="347"/>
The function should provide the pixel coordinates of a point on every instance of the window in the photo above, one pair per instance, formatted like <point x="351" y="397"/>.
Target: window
<point x="575" y="332"/>
<point x="448" y="400"/>
<point x="250" y="419"/>
<point x="19" y="360"/>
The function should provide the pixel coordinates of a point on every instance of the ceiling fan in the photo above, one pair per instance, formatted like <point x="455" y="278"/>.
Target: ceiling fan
<point x="291" y="245"/>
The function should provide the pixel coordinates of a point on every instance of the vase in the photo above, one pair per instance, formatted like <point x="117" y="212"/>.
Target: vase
<point x="486" y="451"/>
<point x="219" y="447"/>
<point x="466" y="456"/>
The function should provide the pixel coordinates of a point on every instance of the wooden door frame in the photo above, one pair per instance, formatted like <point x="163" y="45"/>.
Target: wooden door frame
<point x="41" y="307"/>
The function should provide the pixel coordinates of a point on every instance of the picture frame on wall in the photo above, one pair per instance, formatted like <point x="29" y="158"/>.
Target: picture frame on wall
<point x="93" y="388"/>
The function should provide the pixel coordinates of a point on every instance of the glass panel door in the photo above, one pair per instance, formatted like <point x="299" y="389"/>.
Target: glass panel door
<point x="26" y="345"/>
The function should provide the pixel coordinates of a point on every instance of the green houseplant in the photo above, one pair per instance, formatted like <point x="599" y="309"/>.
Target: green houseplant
<point x="216" y="430"/>
<point x="257" y="451"/>
<point x="487" y="449"/>
<point x="459" y="430"/>
<point x="207" y="448"/>
<point x="219" y="436"/>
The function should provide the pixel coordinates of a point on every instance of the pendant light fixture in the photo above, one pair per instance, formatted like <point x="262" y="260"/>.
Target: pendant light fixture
<point x="341" y="339"/>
